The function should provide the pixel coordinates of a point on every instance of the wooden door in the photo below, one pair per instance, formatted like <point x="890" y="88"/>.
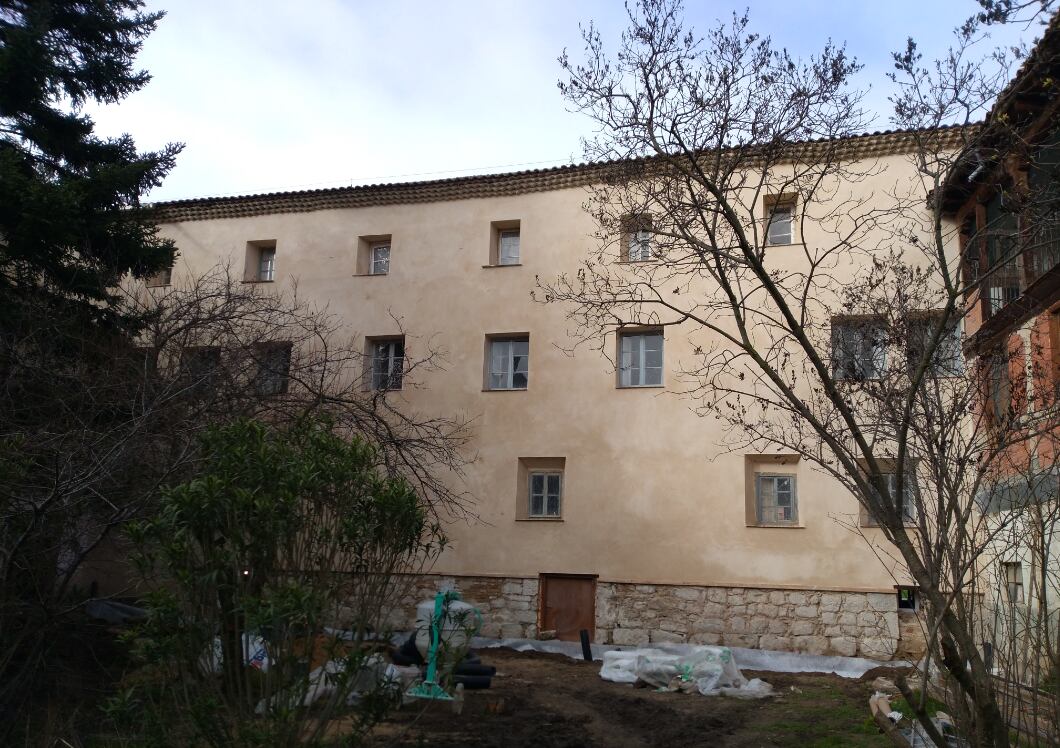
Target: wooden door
<point x="568" y="605"/>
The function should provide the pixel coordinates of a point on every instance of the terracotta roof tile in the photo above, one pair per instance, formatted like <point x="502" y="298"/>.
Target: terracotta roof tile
<point x="857" y="147"/>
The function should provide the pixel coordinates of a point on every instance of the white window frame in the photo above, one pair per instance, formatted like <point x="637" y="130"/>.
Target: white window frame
<point x="639" y="246"/>
<point x="507" y="249"/>
<point x="379" y="265"/>
<point x="780" y="207"/>
<point x="266" y="264"/>
<point x="794" y="500"/>
<point x="545" y="494"/>
<point x="388" y="363"/>
<point x="505" y="347"/>
<point x="849" y="337"/>
<point x="1012" y="572"/>
<point x="633" y="356"/>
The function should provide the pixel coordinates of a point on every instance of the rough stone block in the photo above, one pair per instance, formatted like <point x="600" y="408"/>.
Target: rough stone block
<point x="689" y="593"/>
<point x="740" y="640"/>
<point x="512" y="631"/>
<point x="716" y="595"/>
<point x="758" y="625"/>
<point x="806" y="611"/>
<point x="778" y="626"/>
<point x="512" y="588"/>
<point x="854" y="603"/>
<point x="709" y="639"/>
<point x="781" y="643"/>
<point x="797" y="598"/>
<point x="877" y="649"/>
<point x="847" y="619"/>
<point x="738" y="610"/>
<point x="811" y="644"/>
<point x="648" y="588"/>
<point x="629" y="636"/>
<point x="767" y="609"/>
<point x="777" y="597"/>
<point x="757" y="596"/>
<point x="736" y="625"/>
<point x="530" y="587"/>
<point x="660" y="636"/>
<point x="881" y="602"/>
<point x="491" y="630"/>
<point x="843" y="645"/>
<point x="708" y="626"/>
<point x="801" y="628"/>
<point x="869" y="619"/>
<point x="713" y="610"/>
<point x="830" y="602"/>
<point x="829" y="619"/>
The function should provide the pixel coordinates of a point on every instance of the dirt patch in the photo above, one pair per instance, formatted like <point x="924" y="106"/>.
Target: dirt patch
<point x="550" y="701"/>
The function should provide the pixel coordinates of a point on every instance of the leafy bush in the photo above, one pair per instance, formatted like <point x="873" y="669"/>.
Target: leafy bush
<point x="283" y="534"/>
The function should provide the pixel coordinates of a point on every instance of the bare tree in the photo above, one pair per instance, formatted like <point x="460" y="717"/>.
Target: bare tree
<point x="846" y="348"/>
<point x="92" y="426"/>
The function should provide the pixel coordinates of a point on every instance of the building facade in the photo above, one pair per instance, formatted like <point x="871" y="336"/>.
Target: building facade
<point x="601" y="500"/>
<point x="1005" y="197"/>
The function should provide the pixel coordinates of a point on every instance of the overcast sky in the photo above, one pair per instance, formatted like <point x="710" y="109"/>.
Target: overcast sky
<point x="275" y="95"/>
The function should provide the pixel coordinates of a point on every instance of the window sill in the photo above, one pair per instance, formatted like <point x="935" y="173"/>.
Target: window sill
<point x="259" y="281"/>
<point x="513" y="265"/>
<point x="539" y="519"/>
<point x="640" y="387"/>
<point x="370" y="275"/>
<point x="162" y="285"/>
<point x="636" y="262"/>
<point x="505" y="389"/>
<point x="777" y="527"/>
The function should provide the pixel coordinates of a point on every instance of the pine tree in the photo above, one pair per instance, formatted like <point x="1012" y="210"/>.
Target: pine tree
<point x="71" y="222"/>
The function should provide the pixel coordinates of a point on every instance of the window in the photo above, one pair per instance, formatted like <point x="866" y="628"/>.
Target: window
<point x="636" y="239"/>
<point x="261" y="262"/>
<point x="504" y="244"/>
<point x="546" y="493"/>
<point x="267" y="266"/>
<point x="539" y="488"/>
<point x="640" y="359"/>
<point x="381" y="258"/>
<point x="373" y="254"/>
<point x="639" y="246"/>
<point x="1013" y="576"/>
<point x="948" y="357"/>
<point x="1003" y="282"/>
<point x="509" y="363"/>
<point x="161" y="278"/>
<point x="200" y="366"/>
<point x="779" y="222"/>
<point x="907" y="598"/>
<point x="775" y="500"/>
<point x="859" y="349"/>
<point x="909" y="502"/>
<point x="388" y="361"/>
<point x="999" y="386"/>
<point x="508" y="243"/>
<point x="274" y="368"/>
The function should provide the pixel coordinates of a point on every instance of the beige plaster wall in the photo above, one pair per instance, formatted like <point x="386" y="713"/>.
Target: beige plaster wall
<point x="648" y="495"/>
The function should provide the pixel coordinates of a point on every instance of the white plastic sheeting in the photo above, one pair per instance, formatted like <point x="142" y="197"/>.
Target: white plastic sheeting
<point x="748" y="659"/>
<point x="706" y="670"/>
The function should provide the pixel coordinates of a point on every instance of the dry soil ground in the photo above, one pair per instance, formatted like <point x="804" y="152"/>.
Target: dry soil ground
<point x="550" y="701"/>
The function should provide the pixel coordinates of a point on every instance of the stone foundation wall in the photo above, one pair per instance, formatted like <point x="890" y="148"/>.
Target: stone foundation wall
<point x="851" y="624"/>
<point x="835" y="623"/>
<point x="508" y="604"/>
